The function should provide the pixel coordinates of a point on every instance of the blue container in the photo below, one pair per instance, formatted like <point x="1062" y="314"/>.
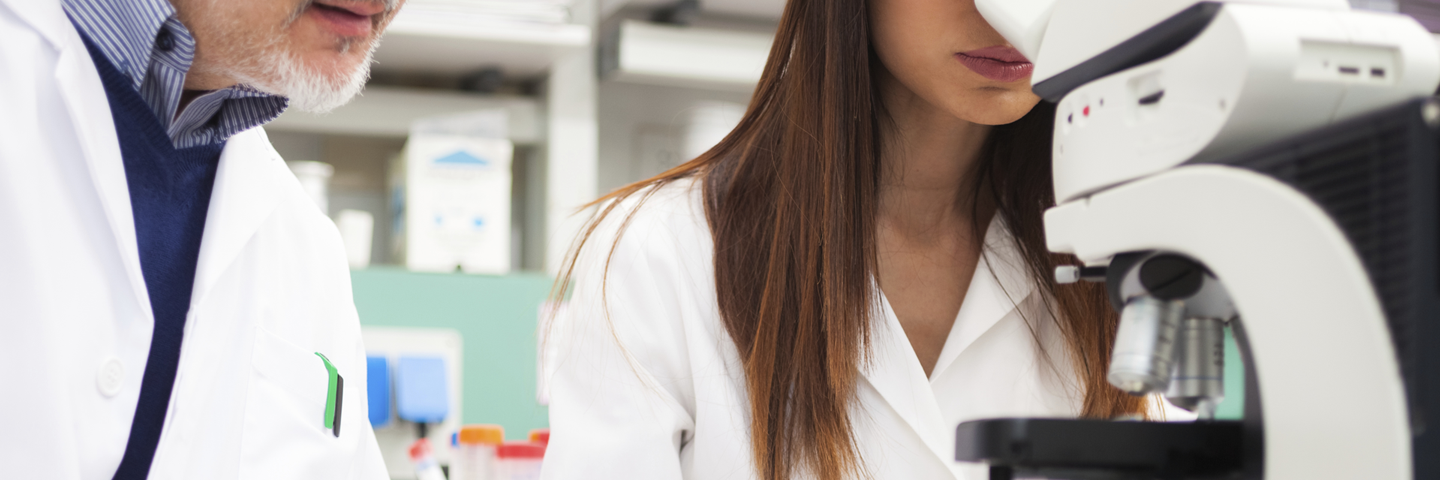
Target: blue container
<point x="377" y="386"/>
<point x="421" y="392"/>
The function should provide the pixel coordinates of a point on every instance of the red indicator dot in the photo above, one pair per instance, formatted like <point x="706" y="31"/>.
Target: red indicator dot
<point x="1086" y="111"/>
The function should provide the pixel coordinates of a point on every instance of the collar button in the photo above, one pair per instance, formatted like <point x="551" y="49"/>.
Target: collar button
<point x="166" y="42"/>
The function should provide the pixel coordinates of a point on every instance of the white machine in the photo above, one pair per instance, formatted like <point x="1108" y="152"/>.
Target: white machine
<point x="1267" y="165"/>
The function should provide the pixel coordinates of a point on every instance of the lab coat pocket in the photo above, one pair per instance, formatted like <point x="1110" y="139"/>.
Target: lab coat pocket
<point x="285" y="434"/>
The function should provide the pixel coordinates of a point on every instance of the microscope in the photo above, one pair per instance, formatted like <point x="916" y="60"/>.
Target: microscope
<point x="1264" y="165"/>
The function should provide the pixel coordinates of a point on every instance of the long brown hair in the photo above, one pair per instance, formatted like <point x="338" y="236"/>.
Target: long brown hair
<point x="791" y="200"/>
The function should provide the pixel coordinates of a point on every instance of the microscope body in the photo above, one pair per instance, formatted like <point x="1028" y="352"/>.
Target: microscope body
<point x="1268" y="166"/>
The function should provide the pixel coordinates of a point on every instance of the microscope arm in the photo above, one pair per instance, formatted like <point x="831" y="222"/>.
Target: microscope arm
<point x="1317" y="333"/>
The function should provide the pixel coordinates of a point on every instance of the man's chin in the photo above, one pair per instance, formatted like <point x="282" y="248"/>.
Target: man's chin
<point x="323" y="96"/>
<point x="319" y="88"/>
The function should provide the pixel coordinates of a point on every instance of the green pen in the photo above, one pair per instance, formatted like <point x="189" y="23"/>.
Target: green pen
<point x="334" y="397"/>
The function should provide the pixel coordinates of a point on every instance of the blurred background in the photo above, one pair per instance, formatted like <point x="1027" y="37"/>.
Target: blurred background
<point x="455" y="177"/>
<point x="455" y="180"/>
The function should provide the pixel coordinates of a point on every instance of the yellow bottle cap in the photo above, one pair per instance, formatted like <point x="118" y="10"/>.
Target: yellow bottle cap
<point x="482" y="434"/>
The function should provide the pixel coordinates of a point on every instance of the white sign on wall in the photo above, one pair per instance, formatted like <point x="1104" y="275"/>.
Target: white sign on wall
<point x="456" y="201"/>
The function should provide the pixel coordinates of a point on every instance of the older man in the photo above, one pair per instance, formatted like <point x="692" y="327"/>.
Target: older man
<point x="171" y="303"/>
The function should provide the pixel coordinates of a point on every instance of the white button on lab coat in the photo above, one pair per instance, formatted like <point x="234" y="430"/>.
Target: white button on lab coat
<point x="668" y="401"/>
<point x="271" y="289"/>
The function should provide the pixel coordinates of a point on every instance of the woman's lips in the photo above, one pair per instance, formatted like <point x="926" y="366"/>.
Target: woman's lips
<point x="341" y="21"/>
<point x="1001" y="64"/>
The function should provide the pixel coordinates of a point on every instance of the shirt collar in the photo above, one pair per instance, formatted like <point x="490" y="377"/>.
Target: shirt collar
<point x="124" y="30"/>
<point x="146" y="42"/>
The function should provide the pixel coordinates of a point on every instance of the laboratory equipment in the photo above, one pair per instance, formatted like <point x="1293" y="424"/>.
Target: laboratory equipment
<point x="475" y="456"/>
<point x="377" y="386"/>
<point x="356" y="229"/>
<point x="450" y="193"/>
<point x="397" y="433"/>
<point x="519" y="461"/>
<point x="1266" y="164"/>
<point x="1145" y="344"/>
<point x="421" y="391"/>
<point x="1198" y="384"/>
<point x="540" y="436"/>
<point x="426" y="468"/>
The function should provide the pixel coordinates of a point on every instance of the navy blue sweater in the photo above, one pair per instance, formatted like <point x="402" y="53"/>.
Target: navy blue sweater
<point x="169" y="194"/>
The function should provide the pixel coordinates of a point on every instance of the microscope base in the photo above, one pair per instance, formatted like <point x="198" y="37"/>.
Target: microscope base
<point x="1101" y="449"/>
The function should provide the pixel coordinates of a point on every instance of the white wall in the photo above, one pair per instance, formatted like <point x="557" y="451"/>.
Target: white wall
<point x="641" y="128"/>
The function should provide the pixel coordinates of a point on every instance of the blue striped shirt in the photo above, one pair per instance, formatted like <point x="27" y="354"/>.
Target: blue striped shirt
<point x="148" y="44"/>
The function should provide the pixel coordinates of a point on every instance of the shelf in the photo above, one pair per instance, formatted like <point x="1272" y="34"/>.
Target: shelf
<point x="642" y="52"/>
<point x="436" y="41"/>
<point x="388" y="112"/>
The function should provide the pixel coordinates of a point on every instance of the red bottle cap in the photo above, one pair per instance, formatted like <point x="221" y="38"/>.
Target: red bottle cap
<point x="420" y="449"/>
<point x="520" y="450"/>
<point x="540" y="436"/>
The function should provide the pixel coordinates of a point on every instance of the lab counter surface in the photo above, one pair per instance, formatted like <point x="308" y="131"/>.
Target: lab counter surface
<point x="496" y="316"/>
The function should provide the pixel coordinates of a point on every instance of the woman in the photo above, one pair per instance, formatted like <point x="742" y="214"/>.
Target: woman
<point x="852" y="272"/>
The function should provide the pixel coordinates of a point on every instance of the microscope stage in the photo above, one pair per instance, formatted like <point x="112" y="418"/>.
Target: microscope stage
<point x="1101" y="449"/>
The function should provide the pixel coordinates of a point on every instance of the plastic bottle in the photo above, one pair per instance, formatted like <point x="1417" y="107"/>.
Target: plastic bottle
<point x="540" y="436"/>
<point x="519" y="460"/>
<point x="426" y="468"/>
<point x="475" y="452"/>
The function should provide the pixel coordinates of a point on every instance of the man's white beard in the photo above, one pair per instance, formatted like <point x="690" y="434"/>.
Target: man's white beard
<point x="309" y="91"/>
<point x="263" y="60"/>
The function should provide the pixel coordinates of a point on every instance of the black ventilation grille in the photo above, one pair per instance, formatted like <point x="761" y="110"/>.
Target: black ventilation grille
<point x="1376" y="176"/>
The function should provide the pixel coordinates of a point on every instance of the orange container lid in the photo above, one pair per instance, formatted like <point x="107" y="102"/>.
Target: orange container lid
<point x="520" y="450"/>
<point x="482" y="434"/>
<point x="540" y="435"/>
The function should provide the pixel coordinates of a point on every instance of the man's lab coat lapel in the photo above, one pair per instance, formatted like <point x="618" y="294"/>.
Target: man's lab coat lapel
<point x="894" y="370"/>
<point x="89" y="112"/>
<point x="246" y="192"/>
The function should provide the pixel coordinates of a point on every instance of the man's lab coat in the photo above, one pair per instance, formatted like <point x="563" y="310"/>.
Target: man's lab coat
<point x="271" y="289"/>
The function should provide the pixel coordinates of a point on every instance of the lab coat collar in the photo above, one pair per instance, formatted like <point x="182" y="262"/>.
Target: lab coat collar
<point x="247" y="190"/>
<point x="893" y="369"/>
<point x="244" y="192"/>
<point x="895" y="373"/>
<point x="999" y="285"/>
<point x="46" y="17"/>
<point x="89" y="112"/>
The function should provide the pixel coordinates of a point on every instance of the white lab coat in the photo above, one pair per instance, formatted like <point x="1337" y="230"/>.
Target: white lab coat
<point x="657" y="391"/>
<point x="271" y="288"/>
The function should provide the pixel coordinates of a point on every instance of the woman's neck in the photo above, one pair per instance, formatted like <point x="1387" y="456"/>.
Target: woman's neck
<point x="929" y="157"/>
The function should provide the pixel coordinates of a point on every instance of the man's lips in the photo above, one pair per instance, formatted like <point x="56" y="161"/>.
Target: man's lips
<point x="348" y="19"/>
<point x="999" y="63"/>
<point x="364" y="9"/>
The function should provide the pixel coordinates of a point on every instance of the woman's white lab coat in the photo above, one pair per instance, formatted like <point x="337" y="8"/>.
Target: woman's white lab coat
<point x="271" y="289"/>
<point x="657" y="390"/>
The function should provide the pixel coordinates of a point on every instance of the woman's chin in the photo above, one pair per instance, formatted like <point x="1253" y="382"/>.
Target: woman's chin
<point x="999" y="106"/>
